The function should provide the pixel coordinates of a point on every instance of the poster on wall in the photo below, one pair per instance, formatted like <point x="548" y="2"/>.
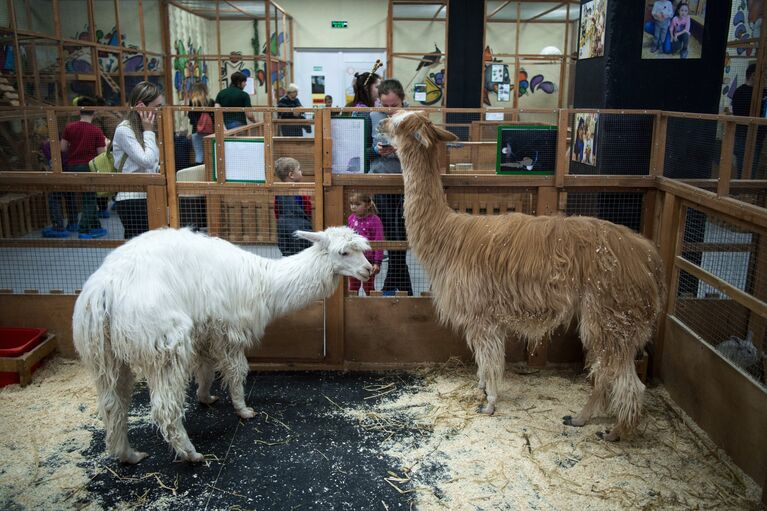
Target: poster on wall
<point x="585" y="142"/>
<point x="673" y="29"/>
<point x="591" y="40"/>
<point x="419" y="92"/>
<point x="318" y="89"/>
<point x="528" y="149"/>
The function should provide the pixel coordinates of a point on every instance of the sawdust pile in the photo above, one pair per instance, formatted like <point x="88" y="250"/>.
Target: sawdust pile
<point x="47" y="426"/>
<point x="524" y="458"/>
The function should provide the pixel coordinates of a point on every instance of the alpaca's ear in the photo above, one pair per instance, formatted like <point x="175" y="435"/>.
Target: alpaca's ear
<point x="444" y="136"/>
<point x="314" y="237"/>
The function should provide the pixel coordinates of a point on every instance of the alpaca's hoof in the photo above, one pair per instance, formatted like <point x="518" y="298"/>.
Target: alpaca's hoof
<point x="207" y="400"/>
<point x="133" y="457"/>
<point x="488" y="409"/>
<point x="609" y="436"/>
<point x="569" y="420"/>
<point x="193" y="457"/>
<point x="246" y="413"/>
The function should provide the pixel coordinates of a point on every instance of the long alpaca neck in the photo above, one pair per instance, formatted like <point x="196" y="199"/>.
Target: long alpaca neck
<point x="298" y="280"/>
<point x="426" y="208"/>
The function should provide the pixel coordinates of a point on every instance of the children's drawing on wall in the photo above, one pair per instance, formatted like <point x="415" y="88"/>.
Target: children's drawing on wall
<point x="591" y="40"/>
<point x="426" y="73"/>
<point x="746" y="20"/>
<point x="585" y="141"/>
<point x="189" y="69"/>
<point x="673" y="29"/>
<point x="498" y="81"/>
<point x="79" y="60"/>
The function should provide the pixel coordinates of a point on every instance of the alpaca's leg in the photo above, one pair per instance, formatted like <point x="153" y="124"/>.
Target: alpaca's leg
<point x="490" y="354"/>
<point x="115" y="387"/>
<point x="205" y="375"/>
<point x="167" y="388"/>
<point x="625" y="397"/>
<point x="595" y="403"/>
<point x="234" y="371"/>
<point x="592" y="337"/>
<point x="481" y="386"/>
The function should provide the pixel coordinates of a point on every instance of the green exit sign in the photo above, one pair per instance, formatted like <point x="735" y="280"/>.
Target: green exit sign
<point x="339" y="24"/>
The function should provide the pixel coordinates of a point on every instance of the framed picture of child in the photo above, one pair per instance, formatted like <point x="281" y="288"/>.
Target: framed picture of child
<point x="585" y="139"/>
<point x="591" y="37"/>
<point x="673" y="29"/>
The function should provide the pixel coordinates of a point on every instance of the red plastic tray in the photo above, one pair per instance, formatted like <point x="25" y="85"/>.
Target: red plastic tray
<point x="14" y="342"/>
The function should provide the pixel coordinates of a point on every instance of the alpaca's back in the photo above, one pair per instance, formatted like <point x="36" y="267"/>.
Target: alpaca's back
<point x="157" y="288"/>
<point x="532" y="273"/>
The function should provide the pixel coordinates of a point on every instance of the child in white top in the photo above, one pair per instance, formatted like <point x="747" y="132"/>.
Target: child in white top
<point x="135" y="138"/>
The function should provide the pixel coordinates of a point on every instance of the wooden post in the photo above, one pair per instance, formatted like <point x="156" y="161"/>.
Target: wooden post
<point x="157" y="206"/>
<point x="170" y="166"/>
<point x="658" y="154"/>
<point x="166" y="50"/>
<point x="649" y="206"/>
<point x="218" y="118"/>
<point x="269" y="146"/>
<point x="725" y="159"/>
<point x="670" y="233"/>
<point x="53" y="134"/>
<point x="327" y="150"/>
<point x="562" y="161"/>
<point x="120" y="68"/>
<point x="334" y="306"/>
<point x="267" y="24"/>
<point x="319" y="213"/>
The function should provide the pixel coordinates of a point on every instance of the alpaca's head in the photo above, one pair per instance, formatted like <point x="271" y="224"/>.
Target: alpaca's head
<point x="345" y="248"/>
<point x="409" y="127"/>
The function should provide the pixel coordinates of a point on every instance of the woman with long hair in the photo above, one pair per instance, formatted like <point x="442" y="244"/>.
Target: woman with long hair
<point x="199" y="98"/>
<point x="135" y="147"/>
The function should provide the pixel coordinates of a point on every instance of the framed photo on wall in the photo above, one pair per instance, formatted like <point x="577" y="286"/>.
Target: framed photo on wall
<point x="673" y="29"/>
<point x="591" y="37"/>
<point x="585" y="138"/>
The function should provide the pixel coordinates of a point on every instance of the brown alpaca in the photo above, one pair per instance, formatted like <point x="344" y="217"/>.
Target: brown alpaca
<point x="523" y="275"/>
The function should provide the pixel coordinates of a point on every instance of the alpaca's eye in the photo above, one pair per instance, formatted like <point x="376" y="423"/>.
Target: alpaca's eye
<point x="344" y="253"/>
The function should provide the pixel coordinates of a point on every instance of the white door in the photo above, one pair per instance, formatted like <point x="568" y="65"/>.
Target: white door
<point x="321" y="72"/>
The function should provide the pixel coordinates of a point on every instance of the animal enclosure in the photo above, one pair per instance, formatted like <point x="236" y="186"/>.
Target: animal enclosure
<point x="708" y="226"/>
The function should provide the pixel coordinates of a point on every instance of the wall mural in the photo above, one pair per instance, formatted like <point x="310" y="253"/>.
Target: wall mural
<point x="429" y="82"/>
<point x="189" y="68"/>
<point x="746" y="23"/>
<point x="498" y="81"/>
<point x="79" y="61"/>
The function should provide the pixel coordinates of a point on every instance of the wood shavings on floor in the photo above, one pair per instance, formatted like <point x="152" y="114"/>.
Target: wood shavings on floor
<point x="523" y="457"/>
<point x="46" y="428"/>
<point x="429" y="448"/>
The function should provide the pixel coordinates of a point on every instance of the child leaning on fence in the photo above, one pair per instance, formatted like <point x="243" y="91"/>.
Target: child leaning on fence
<point x="293" y="212"/>
<point x="365" y="222"/>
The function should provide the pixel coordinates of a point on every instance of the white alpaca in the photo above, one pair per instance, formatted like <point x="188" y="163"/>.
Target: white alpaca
<point x="172" y="303"/>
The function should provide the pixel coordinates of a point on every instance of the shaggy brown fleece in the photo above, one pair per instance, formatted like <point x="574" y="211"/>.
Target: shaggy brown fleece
<point x="523" y="275"/>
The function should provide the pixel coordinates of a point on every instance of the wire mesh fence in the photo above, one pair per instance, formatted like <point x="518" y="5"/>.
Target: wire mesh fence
<point x="693" y="148"/>
<point x="623" y="208"/>
<point x="730" y="259"/>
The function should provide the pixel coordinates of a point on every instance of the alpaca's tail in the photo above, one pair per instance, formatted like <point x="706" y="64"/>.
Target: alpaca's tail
<point x="90" y="332"/>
